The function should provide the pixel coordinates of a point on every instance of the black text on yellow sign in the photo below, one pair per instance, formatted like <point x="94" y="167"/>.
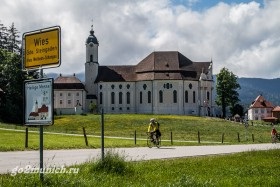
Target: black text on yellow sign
<point x="42" y="48"/>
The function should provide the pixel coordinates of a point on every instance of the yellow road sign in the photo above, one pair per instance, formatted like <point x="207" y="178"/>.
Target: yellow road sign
<point x="41" y="48"/>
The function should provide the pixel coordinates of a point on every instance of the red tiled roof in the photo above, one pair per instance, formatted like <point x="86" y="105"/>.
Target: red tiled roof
<point x="276" y="109"/>
<point x="44" y="108"/>
<point x="260" y="102"/>
<point x="68" y="82"/>
<point x="33" y="114"/>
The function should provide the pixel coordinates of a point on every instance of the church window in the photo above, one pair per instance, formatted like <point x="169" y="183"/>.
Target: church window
<point x="77" y="94"/>
<point x="149" y="97"/>
<point x="208" y="96"/>
<point x="120" y="97"/>
<point x="112" y="97"/>
<point x="100" y="98"/>
<point x="91" y="58"/>
<point x="127" y="86"/>
<point x="160" y="96"/>
<point x="112" y="86"/>
<point x="194" y="97"/>
<point x="69" y="94"/>
<point x="190" y="86"/>
<point x="144" y="86"/>
<point x="186" y="96"/>
<point x="100" y="87"/>
<point x="127" y="97"/>
<point x="174" y="96"/>
<point x="140" y="97"/>
<point x="120" y="86"/>
<point x="60" y="102"/>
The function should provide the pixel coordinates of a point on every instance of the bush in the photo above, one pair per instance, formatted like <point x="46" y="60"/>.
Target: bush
<point x="113" y="163"/>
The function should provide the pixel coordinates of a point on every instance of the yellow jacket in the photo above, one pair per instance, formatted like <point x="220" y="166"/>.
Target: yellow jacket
<point x="153" y="127"/>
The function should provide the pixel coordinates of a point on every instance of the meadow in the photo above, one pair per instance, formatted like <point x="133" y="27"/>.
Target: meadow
<point x="121" y="130"/>
<point x="254" y="168"/>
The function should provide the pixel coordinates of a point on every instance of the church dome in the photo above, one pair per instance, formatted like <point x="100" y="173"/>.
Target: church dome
<point x="91" y="38"/>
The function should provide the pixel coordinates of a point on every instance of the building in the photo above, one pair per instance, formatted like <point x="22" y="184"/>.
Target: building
<point x="164" y="82"/>
<point x="69" y="95"/>
<point x="260" y="109"/>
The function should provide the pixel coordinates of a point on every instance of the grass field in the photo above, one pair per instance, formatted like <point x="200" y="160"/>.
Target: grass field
<point x="255" y="168"/>
<point x="184" y="130"/>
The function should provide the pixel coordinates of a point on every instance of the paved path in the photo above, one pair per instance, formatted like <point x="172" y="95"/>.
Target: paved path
<point x="58" y="158"/>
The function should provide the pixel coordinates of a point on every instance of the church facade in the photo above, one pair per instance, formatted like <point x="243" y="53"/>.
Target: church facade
<point x="164" y="82"/>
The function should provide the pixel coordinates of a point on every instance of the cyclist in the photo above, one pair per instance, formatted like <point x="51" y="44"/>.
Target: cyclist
<point x="274" y="135"/>
<point x="154" y="128"/>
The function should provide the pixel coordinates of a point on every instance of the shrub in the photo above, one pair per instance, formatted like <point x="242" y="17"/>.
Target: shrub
<point x="113" y="162"/>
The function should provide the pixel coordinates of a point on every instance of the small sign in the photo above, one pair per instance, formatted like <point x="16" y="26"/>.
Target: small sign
<point x="38" y="102"/>
<point x="41" y="48"/>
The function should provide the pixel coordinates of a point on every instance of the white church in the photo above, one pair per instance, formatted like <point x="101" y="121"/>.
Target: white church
<point x="164" y="82"/>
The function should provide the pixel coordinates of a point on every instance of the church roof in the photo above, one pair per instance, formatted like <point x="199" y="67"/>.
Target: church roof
<point x="68" y="82"/>
<point x="160" y="65"/>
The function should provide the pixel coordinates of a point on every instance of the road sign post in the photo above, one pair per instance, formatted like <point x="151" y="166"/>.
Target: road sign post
<point x="41" y="49"/>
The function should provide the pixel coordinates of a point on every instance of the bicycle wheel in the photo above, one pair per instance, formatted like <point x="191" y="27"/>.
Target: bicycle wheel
<point x="149" y="143"/>
<point x="158" y="144"/>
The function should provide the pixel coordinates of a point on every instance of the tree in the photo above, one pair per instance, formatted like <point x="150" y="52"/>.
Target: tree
<point x="226" y="90"/>
<point x="11" y="79"/>
<point x="237" y="109"/>
<point x="11" y="75"/>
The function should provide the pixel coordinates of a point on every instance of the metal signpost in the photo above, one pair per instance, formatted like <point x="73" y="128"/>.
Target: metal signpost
<point x="41" y="49"/>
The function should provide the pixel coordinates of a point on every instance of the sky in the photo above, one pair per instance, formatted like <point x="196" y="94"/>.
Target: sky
<point x="240" y="35"/>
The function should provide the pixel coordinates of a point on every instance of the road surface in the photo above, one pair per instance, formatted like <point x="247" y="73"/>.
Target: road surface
<point x="59" y="158"/>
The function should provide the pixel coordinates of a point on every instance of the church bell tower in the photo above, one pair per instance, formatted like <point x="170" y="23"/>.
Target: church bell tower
<point x="91" y="67"/>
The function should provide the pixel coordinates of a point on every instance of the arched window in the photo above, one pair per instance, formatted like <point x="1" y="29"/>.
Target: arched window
<point x="208" y="95"/>
<point x="194" y="97"/>
<point x="140" y="98"/>
<point x="174" y="96"/>
<point x="127" y="98"/>
<point x="149" y="97"/>
<point x="91" y="58"/>
<point x="186" y="96"/>
<point x="160" y="96"/>
<point x="120" y="97"/>
<point x="112" y="97"/>
<point x="100" y="98"/>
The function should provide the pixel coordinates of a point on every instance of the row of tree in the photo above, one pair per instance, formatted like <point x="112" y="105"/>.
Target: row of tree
<point x="11" y="75"/>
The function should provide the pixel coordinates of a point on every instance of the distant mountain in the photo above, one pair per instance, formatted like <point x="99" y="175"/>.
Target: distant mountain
<point x="250" y="88"/>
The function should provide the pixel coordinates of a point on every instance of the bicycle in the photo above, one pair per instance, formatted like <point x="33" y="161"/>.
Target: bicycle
<point x="275" y="137"/>
<point x="152" y="140"/>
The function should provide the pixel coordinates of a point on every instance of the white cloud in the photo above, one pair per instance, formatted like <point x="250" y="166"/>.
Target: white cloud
<point x="242" y="37"/>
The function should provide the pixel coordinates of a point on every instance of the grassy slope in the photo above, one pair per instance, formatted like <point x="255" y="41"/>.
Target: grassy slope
<point x="183" y="128"/>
